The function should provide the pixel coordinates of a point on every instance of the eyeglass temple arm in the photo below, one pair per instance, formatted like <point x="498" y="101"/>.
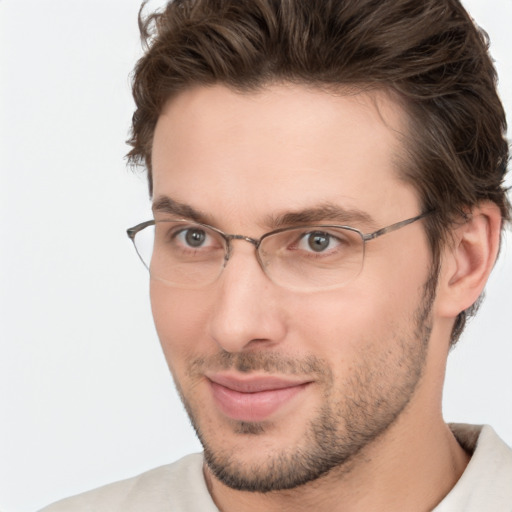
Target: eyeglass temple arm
<point x="394" y="227"/>
<point x="131" y="232"/>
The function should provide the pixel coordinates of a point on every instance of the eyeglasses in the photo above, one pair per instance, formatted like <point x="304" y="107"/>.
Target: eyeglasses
<point x="187" y="254"/>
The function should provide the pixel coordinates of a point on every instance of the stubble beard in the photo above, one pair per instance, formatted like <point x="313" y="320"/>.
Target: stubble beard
<point x="372" y="399"/>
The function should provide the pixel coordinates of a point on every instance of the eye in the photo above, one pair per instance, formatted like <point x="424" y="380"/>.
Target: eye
<point x="318" y="241"/>
<point x="193" y="237"/>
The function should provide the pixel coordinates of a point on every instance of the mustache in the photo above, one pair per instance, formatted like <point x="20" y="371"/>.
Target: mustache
<point x="246" y="362"/>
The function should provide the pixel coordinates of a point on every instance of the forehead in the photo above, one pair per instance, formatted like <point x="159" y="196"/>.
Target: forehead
<point x="282" y="148"/>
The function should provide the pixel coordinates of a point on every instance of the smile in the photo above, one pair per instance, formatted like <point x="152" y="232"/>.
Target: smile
<point x="253" y="399"/>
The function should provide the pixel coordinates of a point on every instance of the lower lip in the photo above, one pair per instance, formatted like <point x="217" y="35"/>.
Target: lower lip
<point x="252" y="407"/>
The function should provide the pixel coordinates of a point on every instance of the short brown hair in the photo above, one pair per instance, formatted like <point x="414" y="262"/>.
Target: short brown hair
<point x="429" y="53"/>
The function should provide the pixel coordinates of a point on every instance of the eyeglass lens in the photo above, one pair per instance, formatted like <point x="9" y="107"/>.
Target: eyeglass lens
<point x="186" y="254"/>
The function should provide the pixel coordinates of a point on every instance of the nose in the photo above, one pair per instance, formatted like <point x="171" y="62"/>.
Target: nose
<point x="247" y="310"/>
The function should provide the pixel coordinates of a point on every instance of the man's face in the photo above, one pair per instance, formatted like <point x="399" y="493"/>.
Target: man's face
<point x="282" y="385"/>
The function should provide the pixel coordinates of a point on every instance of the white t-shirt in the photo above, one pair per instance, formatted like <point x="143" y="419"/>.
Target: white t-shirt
<point x="486" y="484"/>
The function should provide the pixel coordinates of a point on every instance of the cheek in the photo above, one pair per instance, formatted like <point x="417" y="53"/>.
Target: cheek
<point x="334" y="322"/>
<point x="180" y="319"/>
<point x="366" y="312"/>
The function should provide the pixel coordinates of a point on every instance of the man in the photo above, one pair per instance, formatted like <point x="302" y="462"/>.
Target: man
<point x="327" y="193"/>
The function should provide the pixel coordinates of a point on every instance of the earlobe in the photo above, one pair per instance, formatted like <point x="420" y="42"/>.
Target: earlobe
<point x="469" y="259"/>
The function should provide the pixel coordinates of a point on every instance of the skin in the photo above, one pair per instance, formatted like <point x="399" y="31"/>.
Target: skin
<point x="373" y="352"/>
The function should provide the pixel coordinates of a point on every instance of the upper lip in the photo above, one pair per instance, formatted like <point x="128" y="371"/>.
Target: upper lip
<point x="254" y="383"/>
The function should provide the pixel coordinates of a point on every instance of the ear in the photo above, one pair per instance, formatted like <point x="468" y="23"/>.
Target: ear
<point x="467" y="261"/>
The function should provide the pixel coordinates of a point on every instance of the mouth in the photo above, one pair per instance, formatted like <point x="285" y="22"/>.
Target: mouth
<point x="253" y="398"/>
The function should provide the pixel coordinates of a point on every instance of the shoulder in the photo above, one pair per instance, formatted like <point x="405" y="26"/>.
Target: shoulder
<point x="180" y="484"/>
<point x="486" y="482"/>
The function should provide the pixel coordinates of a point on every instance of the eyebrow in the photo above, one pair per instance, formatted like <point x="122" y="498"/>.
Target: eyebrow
<point x="326" y="212"/>
<point x="164" y="204"/>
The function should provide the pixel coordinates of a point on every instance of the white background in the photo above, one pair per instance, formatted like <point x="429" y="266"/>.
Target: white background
<point x="85" y="396"/>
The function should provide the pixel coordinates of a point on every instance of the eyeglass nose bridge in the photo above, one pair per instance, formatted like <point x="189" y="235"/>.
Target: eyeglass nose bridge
<point x="229" y="238"/>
